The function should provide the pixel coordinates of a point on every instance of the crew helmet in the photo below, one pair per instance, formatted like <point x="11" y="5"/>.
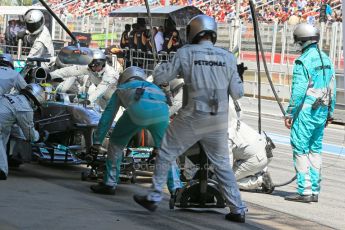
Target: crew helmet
<point x="6" y="60"/>
<point x="200" y="25"/>
<point x="132" y="72"/>
<point x="98" y="58"/>
<point x="306" y="34"/>
<point x="34" y="20"/>
<point x="35" y="93"/>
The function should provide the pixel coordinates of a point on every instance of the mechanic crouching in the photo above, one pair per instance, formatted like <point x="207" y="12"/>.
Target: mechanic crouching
<point x="251" y="153"/>
<point x="19" y="109"/>
<point x="99" y="73"/>
<point x="146" y="108"/>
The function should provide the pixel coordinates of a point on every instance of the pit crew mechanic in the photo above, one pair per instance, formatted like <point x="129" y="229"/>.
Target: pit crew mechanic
<point x="210" y="76"/>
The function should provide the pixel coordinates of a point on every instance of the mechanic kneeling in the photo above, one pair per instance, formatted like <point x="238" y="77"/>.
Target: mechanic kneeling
<point x="103" y="76"/>
<point x="19" y="109"/>
<point x="251" y="153"/>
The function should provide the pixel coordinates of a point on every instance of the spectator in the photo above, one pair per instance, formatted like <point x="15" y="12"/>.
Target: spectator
<point x="294" y="19"/>
<point x="132" y="37"/>
<point x="146" y="40"/>
<point x="124" y="43"/>
<point x="172" y="42"/>
<point x="159" y="39"/>
<point x="329" y="12"/>
<point x="311" y="19"/>
<point x="221" y="10"/>
<point x="301" y="4"/>
<point x="138" y="37"/>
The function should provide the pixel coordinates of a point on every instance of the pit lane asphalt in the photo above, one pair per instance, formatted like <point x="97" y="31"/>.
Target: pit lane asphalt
<point x="44" y="197"/>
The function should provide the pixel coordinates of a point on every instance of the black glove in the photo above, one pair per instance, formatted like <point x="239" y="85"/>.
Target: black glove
<point x="153" y="155"/>
<point x="21" y="35"/>
<point x="95" y="148"/>
<point x="84" y="101"/>
<point x="329" y="121"/>
<point x="240" y="69"/>
<point x="44" y="135"/>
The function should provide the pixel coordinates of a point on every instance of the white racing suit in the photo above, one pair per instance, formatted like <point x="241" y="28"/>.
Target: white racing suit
<point x="10" y="79"/>
<point x="249" y="154"/>
<point x="41" y="45"/>
<point x="14" y="109"/>
<point x="105" y="82"/>
<point x="210" y="76"/>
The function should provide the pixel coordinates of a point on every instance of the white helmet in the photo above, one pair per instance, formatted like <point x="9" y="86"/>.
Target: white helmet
<point x="132" y="72"/>
<point x="34" y="20"/>
<point x="306" y="34"/>
<point x="6" y="60"/>
<point x="200" y="25"/>
<point x="35" y="93"/>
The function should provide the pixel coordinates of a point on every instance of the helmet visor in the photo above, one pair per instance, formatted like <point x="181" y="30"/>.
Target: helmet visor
<point x="32" y="27"/>
<point x="96" y="63"/>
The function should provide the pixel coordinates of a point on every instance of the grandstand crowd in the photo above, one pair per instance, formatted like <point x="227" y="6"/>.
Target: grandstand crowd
<point x="293" y="11"/>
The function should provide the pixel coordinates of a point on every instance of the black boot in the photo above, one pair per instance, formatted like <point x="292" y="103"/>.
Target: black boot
<point x="240" y="218"/>
<point x="315" y="198"/>
<point x="267" y="184"/>
<point x="3" y="175"/>
<point x="103" y="189"/>
<point x="143" y="201"/>
<point x="299" y="198"/>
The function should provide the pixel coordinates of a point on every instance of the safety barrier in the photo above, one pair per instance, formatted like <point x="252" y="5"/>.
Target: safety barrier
<point x="281" y="74"/>
<point x="16" y="51"/>
<point x="277" y="39"/>
<point x="145" y="60"/>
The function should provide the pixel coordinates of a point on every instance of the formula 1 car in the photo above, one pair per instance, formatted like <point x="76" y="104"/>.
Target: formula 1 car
<point x="70" y="125"/>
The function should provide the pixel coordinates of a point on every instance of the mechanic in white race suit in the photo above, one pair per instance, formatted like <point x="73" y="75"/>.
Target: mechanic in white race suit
<point x="210" y="76"/>
<point x="97" y="73"/>
<point x="38" y="36"/>
<point x="250" y="153"/>
<point x="18" y="108"/>
<point x="10" y="79"/>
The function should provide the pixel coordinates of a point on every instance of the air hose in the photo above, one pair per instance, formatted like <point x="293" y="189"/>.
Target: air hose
<point x="258" y="44"/>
